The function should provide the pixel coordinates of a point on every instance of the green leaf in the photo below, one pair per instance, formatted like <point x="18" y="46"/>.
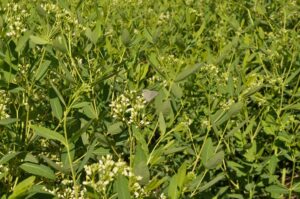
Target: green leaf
<point x="89" y="111"/>
<point x="172" y="189"/>
<point x="121" y="186"/>
<point x="87" y="156"/>
<point x="292" y="76"/>
<point x="236" y="167"/>
<point x="115" y="128"/>
<point x="58" y="94"/>
<point x="22" y="42"/>
<point x="215" y="160"/>
<point x="177" y="90"/>
<point x="22" y="187"/>
<point x="65" y="158"/>
<point x="277" y="191"/>
<point x="162" y="124"/>
<point x="140" y="167"/>
<point x="48" y="134"/>
<point x="272" y="164"/>
<point x="125" y="37"/>
<point x="155" y="183"/>
<point x="38" y="40"/>
<point x="42" y="69"/>
<point x="195" y="186"/>
<point x="101" y="151"/>
<point x="250" y="155"/>
<point x="233" y="110"/>
<point x="76" y="135"/>
<point x="60" y="44"/>
<point x="54" y="165"/>
<point x="207" y="151"/>
<point x="181" y="176"/>
<point x="207" y="185"/>
<point x="147" y="34"/>
<point x="187" y="72"/>
<point x="38" y="169"/>
<point x="56" y="108"/>
<point x="7" y="157"/>
<point x="8" y="121"/>
<point x="155" y="63"/>
<point x="296" y="187"/>
<point x="292" y="107"/>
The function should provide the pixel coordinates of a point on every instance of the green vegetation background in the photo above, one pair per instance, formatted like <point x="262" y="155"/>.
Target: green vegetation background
<point x="149" y="99"/>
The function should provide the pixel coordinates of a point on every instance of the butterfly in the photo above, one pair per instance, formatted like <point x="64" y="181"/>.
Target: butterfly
<point x="149" y="95"/>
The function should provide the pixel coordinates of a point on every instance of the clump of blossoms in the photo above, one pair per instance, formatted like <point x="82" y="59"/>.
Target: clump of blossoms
<point x="129" y="107"/>
<point x="101" y="175"/>
<point x="15" y="17"/>
<point x="3" y="104"/>
<point x="67" y="191"/>
<point x="63" y="17"/>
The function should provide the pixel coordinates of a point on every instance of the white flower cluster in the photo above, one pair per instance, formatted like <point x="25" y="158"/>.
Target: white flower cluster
<point x="210" y="69"/>
<point x="163" y="18"/>
<point x="67" y="191"/>
<point x="225" y="105"/>
<point x="3" y="104"/>
<point x="63" y="17"/>
<point x="100" y="175"/>
<point x="15" y="17"/>
<point x="129" y="107"/>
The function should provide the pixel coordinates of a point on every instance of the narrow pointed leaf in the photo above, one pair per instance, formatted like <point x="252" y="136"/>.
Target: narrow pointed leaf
<point x="172" y="189"/>
<point x="42" y="69"/>
<point x="48" y="134"/>
<point x="162" y="124"/>
<point x="187" y="72"/>
<point x="56" y="107"/>
<point x="37" y="169"/>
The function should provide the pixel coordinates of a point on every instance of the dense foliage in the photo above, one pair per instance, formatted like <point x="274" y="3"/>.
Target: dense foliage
<point x="149" y="99"/>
